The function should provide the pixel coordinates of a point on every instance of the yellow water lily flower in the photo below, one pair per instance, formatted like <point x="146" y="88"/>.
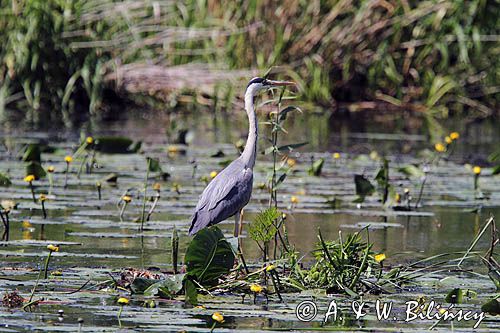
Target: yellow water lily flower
<point x="336" y="156"/>
<point x="291" y="162"/>
<point x="89" y="140"/>
<point x="440" y="148"/>
<point x="29" y="178"/>
<point x="448" y="140"/>
<point x="123" y="301"/>
<point x="127" y="198"/>
<point x="68" y="159"/>
<point x="379" y="257"/>
<point x="172" y="149"/>
<point x="51" y="169"/>
<point x="42" y="197"/>
<point x="294" y="199"/>
<point x="53" y="248"/>
<point x="218" y="317"/>
<point x="454" y="135"/>
<point x="213" y="174"/>
<point x="256" y="288"/>
<point x="374" y="155"/>
<point x="476" y="170"/>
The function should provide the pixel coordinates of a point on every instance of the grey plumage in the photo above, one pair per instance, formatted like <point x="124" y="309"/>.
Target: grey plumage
<point x="224" y="196"/>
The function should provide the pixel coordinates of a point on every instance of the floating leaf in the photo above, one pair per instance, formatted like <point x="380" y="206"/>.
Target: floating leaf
<point x="363" y="186"/>
<point x="455" y="296"/>
<point x="412" y="171"/>
<point x="218" y="153"/>
<point x="115" y="145"/>
<point x="32" y="153"/>
<point x="154" y="164"/>
<point x="209" y="256"/>
<point x="166" y="288"/>
<point x="315" y="169"/>
<point x="190" y="292"/>
<point x="111" y="178"/>
<point x="492" y="307"/>
<point x="4" y="180"/>
<point x="140" y="284"/>
<point x="36" y="169"/>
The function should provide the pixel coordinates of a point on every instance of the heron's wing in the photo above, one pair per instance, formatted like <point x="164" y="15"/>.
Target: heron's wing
<point x="227" y="193"/>
<point x="236" y="175"/>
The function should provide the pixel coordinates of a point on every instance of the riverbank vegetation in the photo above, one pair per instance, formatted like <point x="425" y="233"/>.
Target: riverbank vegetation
<point x="71" y="59"/>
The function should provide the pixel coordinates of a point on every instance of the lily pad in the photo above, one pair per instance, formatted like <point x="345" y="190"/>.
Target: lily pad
<point x="36" y="169"/>
<point x="209" y="256"/>
<point x="115" y="145"/>
<point x="4" y="180"/>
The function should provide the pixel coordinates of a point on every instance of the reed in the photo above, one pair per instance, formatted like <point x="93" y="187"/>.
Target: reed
<point x="430" y="57"/>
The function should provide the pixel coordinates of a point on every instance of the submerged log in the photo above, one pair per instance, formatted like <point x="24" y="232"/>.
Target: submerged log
<point x="153" y="79"/>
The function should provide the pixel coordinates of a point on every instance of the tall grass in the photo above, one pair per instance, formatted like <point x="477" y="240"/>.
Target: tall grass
<point x="431" y="57"/>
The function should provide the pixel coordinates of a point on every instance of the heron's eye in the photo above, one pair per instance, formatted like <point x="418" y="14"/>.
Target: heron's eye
<point x="265" y="82"/>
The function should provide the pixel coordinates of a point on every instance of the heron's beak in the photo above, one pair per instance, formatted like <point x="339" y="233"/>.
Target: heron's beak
<point x="280" y="83"/>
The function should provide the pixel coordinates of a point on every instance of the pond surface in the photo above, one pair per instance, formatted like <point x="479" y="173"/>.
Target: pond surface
<point x="95" y="242"/>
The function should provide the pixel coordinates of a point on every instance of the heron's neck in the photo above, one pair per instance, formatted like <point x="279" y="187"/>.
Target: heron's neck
<point x="250" y="150"/>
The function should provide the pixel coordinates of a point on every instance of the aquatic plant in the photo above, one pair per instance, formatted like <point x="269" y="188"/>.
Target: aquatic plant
<point x="432" y="58"/>
<point x="340" y="266"/>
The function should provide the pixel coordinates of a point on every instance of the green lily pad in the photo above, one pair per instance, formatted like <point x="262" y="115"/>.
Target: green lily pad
<point x="316" y="168"/>
<point x="116" y="145"/>
<point x="34" y="168"/>
<point x="363" y="187"/>
<point x="4" y="180"/>
<point x="492" y="307"/>
<point x="166" y="288"/>
<point x="32" y="153"/>
<point x="209" y="256"/>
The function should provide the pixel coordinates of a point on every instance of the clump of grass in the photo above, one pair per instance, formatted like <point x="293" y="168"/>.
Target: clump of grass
<point x="341" y="266"/>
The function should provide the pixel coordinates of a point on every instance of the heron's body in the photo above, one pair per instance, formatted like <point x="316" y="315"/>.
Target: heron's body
<point x="231" y="189"/>
<point x="225" y="196"/>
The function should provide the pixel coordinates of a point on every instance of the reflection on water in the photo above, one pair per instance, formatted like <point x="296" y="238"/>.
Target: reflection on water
<point x="94" y="241"/>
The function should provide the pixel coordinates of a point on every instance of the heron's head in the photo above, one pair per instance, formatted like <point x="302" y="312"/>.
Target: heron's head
<point x="258" y="83"/>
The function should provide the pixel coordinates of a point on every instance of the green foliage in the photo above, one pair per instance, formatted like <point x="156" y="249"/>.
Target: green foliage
<point x="166" y="288"/>
<point x="412" y="171"/>
<point x="4" y="180"/>
<point x="340" y="266"/>
<point x="492" y="307"/>
<point x="363" y="187"/>
<point x="38" y="62"/>
<point x="32" y="153"/>
<point x="35" y="168"/>
<point x="316" y="167"/>
<point x="382" y="178"/>
<point x="263" y="228"/>
<point x="208" y="256"/>
<point x="115" y="145"/>
<point x="154" y="164"/>
<point x="426" y="56"/>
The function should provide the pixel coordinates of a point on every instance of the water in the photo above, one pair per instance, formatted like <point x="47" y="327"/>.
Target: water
<point x="94" y="242"/>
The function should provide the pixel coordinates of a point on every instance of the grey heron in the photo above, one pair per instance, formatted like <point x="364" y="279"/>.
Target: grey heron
<point x="229" y="192"/>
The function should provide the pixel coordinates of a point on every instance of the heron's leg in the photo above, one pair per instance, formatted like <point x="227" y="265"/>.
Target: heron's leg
<point x="236" y="224"/>
<point x="241" y="221"/>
